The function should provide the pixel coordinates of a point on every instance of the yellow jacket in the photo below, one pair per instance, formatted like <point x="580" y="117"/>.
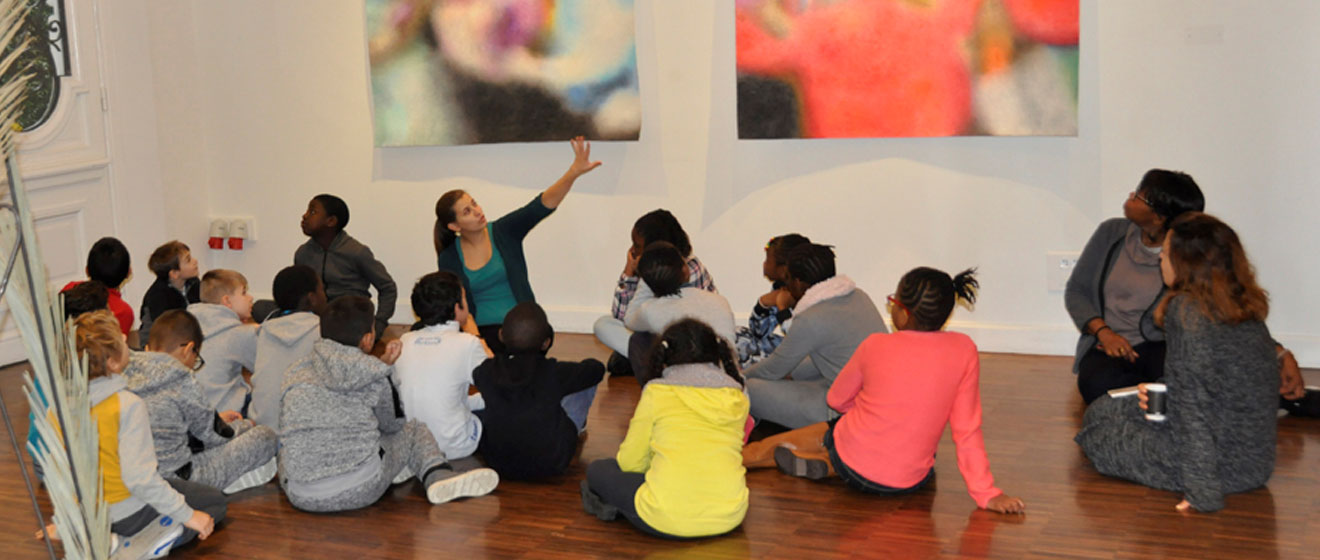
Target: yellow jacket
<point x="687" y="436"/>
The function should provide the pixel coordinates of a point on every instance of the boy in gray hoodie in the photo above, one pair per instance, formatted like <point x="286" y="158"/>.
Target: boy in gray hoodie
<point x="231" y="340"/>
<point x="343" y="437"/>
<point x="193" y="441"/>
<point x="285" y="338"/>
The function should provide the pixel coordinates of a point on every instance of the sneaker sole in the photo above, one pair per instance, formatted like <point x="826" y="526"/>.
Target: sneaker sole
<point x="792" y="465"/>
<point x="254" y="478"/>
<point x="477" y="482"/>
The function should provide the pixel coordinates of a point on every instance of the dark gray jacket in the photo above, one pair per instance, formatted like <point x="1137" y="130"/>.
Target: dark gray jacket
<point x="348" y="268"/>
<point x="1084" y="295"/>
<point x="336" y="402"/>
<point x="1220" y="435"/>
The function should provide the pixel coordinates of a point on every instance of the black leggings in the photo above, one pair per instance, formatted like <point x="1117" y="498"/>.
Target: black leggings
<point x="200" y="497"/>
<point x="1097" y="372"/>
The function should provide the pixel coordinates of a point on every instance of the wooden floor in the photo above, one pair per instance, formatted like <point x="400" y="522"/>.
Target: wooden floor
<point x="1031" y="413"/>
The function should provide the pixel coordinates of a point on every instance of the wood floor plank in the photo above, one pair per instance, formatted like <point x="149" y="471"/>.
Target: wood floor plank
<point x="1031" y="412"/>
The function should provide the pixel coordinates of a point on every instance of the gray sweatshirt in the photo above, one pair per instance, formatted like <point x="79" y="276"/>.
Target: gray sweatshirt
<point x="281" y="342"/>
<point x="1219" y="437"/>
<point x="828" y="333"/>
<point x="1084" y="295"/>
<point x="136" y="454"/>
<point x="648" y="313"/>
<point x="336" y="403"/>
<point x="348" y="267"/>
<point x="176" y="407"/>
<point x="228" y="347"/>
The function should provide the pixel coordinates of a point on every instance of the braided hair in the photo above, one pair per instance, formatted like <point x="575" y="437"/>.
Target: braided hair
<point x="929" y="295"/>
<point x="811" y="263"/>
<point x="690" y="341"/>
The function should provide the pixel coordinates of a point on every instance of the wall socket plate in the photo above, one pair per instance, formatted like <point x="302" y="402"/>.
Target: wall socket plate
<point x="251" y="224"/>
<point x="1058" y="267"/>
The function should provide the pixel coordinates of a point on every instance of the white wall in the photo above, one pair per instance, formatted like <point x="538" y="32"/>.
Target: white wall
<point x="260" y="105"/>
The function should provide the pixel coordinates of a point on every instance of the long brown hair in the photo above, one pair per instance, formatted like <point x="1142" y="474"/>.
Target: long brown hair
<point x="1211" y="267"/>
<point x="444" y="215"/>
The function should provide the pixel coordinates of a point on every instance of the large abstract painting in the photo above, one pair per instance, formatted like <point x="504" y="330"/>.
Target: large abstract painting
<point x="901" y="68"/>
<point x="447" y="72"/>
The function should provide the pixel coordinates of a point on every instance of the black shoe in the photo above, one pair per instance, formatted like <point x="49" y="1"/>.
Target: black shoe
<point x="1306" y="407"/>
<point x="619" y="366"/>
<point x="592" y="504"/>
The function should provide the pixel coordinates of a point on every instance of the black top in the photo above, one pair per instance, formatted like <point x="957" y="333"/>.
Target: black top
<point x="525" y="432"/>
<point x="162" y="297"/>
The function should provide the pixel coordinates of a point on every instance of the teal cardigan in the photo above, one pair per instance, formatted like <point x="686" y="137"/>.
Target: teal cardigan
<point x="507" y="234"/>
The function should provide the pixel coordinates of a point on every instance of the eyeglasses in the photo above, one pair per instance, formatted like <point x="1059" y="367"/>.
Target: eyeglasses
<point x="199" y="364"/>
<point x="892" y="301"/>
<point x="1138" y="196"/>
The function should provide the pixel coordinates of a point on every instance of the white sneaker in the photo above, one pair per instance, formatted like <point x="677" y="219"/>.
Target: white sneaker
<point x="476" y="482"/>
<point x="254" y="478"/>
<point x="403" y="476"/>
<point x="154" y="541"/>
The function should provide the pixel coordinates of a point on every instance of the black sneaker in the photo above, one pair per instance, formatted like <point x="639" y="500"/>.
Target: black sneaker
<point x="1306" y="407"/>
<point x="619" y="366"/>
<point x="592" y="504"/>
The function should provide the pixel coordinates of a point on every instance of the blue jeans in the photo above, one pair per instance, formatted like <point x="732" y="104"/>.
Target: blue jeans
<point x="577" y="405"/>
<point x="859" y="482"/>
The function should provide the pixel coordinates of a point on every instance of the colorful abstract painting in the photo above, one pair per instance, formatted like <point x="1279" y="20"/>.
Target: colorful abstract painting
<point x="447" y="72"/>
<point x="903" y="68"/>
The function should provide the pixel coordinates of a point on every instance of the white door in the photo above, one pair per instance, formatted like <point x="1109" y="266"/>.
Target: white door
<point x="66" y="166"/>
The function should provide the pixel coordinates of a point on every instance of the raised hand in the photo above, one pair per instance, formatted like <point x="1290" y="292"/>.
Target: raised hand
<point x="582" y="163"/>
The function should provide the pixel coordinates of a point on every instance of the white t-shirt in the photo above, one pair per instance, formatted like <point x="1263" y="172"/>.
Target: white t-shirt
<point x="433" y="374"/>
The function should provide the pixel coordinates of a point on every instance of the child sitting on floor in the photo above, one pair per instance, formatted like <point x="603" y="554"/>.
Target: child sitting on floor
<point x="109" y="264"/>
<point x="663" y="299"/>
<point x="346" y="266"/>
<point x="193" y="441"/>
<point x="136" y="493"/>
<point x="434" y="371"/>
<point x="535" y="406"/>
<point x="679" y="472"/>
<point x="284" y="338"/>
<point x="176" y="285"/>
<point x="225" y="315"/>
<point x="343" y="439"/>
<point x="758" y="339"/>
<point x="896" y="395"/>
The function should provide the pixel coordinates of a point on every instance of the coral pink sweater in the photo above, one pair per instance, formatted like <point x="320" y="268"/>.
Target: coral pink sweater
<point x="896" y="395"/>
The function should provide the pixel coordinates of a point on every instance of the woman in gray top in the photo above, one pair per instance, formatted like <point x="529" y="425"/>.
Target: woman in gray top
<point x="1112" y="292"/>
<point x="1222" y="374"/>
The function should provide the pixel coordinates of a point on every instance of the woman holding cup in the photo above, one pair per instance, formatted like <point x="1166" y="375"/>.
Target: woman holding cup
<point x="1221" y="377"/>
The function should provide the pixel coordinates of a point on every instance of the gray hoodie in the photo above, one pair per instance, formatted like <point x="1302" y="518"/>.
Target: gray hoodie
<point x="335" y="404"/>
<point x="281" y="342"/>
<point x="176" y="407"/>
<point x="136" y="454"/>
<point x="228" y="347"/>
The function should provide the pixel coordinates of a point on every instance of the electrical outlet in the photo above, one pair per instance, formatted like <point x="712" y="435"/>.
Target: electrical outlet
<point x="1058" y="267"/>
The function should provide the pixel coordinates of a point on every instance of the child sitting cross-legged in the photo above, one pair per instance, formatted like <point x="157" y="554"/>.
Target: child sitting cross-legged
<point x="679" y="472"/>
<point x="136" y="493"/>
<point x="225" y="314"/>
<point x="535" y="406"/>
<point x="343" y="439"/>
<point x="193" y="441"/>
<point x="284" y="338"/>
<point x="434" y="371"/>
<point x="896" y="395"/>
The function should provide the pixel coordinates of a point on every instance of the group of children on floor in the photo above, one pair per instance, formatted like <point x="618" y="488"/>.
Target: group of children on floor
<point x="340" y="425"/>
